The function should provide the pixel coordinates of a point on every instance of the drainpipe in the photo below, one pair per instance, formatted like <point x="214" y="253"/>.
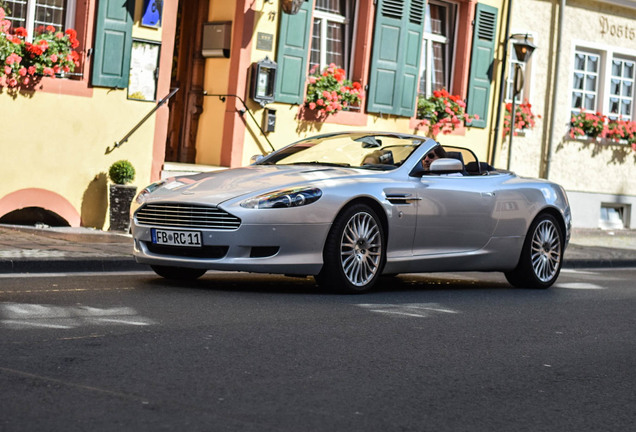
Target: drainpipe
<point x="548" y="153"/>
<point x="502" y="85"/>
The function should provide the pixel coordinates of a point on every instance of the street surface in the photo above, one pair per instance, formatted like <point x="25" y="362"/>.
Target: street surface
<point x="242" y="352"/>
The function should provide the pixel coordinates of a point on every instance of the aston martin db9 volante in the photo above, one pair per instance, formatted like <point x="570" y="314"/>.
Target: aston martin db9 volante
<point x="347" y="208"/>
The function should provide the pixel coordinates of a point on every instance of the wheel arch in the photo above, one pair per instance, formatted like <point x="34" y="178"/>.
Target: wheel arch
<point x="557" y="215"/>
<point x="375" y="205"/>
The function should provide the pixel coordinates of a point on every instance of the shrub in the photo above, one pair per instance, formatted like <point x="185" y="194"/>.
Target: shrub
<point x="442" y="112"/>
<point x="330" y="92"/>
<point x="121" y="172"/>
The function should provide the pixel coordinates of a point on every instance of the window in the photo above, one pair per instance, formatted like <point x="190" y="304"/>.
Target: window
<point x="524" y="68"/>
<point x="32" y="14"/>
<point x="614" y="216"/>
<point x="437" y="47"/>
<point x="585" y="84"/>
<point x="332" y="36"/>
<point x="621" y="88"/>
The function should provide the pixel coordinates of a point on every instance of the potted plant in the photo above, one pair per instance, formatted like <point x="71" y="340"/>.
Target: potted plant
<point x="121" y="194"/>
<point x="524" y="118"/>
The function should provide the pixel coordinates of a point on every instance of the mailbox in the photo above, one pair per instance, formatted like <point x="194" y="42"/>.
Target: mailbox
<point x="217" y="38"/>
<point x="263" y="81"/>
<point x="269" y="120"/>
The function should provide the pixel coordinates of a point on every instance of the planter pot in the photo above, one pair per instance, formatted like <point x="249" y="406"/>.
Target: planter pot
<point x="120" y="198"/>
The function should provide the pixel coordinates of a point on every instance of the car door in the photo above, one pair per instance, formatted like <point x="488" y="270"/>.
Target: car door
<point x="454" y="214"/>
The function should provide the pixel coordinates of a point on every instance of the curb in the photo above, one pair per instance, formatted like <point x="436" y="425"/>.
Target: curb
<point x="117" y="264"/>
<point x="71" y="266"/>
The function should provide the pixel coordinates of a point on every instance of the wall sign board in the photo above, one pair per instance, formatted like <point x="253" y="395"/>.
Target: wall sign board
<point x="144" y="68"/>
<point x="152" y="13"/>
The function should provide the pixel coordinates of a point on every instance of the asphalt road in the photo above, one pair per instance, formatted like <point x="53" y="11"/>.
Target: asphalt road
<point x="240" y="352"/>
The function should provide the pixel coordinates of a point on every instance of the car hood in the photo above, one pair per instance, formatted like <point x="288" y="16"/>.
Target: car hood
<point x="219" y="186"/>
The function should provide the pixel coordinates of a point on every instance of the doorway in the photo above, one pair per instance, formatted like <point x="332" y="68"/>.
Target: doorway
<point x="187" y="74"/>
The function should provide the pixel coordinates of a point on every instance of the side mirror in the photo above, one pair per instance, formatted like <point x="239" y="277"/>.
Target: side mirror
<point x="256" y="158"/>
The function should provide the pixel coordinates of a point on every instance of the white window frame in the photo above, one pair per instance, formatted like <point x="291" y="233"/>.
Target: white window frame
<point x="29" y="24"/>
<point x="598" y="75"/>
<point x="349" y="45"/>
<point x="606" y="53"/>
<point x="428" y="39"/>
<point x="622" y="100"/>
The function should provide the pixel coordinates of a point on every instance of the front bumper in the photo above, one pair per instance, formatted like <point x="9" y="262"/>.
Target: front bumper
<point x="284" y="249"/>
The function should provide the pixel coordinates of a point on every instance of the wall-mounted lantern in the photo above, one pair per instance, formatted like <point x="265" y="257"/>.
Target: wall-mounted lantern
<point x="523" y="49"/>
<point x="291" y="6"/>
<point x="263" y="81"/>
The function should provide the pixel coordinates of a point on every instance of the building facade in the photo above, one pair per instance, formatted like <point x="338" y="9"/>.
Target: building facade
<point x="583" y="68"/>
<point x="243" y="69"/>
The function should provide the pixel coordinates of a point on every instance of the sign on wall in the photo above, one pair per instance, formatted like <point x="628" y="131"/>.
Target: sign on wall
<point x="151" y="15"/>
<point x="144" y="68"/>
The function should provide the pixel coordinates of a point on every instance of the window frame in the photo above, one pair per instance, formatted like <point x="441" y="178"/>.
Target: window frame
<point x="350" y="29"/>
<point x="607" y="54"/>
<point x="450" y="49"/>
<point x="29" y="22"/>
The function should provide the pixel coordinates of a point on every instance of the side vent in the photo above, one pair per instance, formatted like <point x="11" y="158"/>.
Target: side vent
<point x="486" y="30"/>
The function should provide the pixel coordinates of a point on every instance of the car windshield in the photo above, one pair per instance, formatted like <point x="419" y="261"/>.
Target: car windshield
<point x="367" y="151"/>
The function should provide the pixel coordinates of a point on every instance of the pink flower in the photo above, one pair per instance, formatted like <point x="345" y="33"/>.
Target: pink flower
<point x="22" y="71"/>
<point x="320" y="102"/>
<point x="48" y="71"/>
<point x="54" y="58"/>
<point x="312" y="80"/>
<point x="8" y="70"/>
<point x="312" y="105"/>
<point x="31" y="70"/>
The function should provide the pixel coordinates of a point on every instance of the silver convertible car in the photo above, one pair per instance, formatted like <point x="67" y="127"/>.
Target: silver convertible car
<point x="347" y="208"/>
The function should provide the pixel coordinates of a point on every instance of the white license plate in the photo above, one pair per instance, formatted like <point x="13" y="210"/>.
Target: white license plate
<point x="176" y="238"/>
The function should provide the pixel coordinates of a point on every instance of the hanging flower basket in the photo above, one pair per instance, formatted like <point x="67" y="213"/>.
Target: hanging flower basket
<point x="23" y="63"/>
<point x="442" y="112"/>
<point x="330" y="92"/>
<point x="596" y="125"/>
<point x="525" y="119"/>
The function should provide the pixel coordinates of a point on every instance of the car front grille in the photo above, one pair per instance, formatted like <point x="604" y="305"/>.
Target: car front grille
<point x="186" y="216"/>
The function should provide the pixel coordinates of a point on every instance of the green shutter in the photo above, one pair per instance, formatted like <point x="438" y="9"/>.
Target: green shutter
<point x="396" y="54"/>
<point x="482" y="63"/>
<point x="113" y="42"/>
<point x="292" y="56"/>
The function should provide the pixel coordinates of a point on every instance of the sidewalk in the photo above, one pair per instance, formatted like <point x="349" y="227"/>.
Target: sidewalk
<point x="46" y="250"/>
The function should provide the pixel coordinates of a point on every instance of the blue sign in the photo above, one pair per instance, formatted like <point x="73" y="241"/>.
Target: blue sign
<point x="152" y="13"/>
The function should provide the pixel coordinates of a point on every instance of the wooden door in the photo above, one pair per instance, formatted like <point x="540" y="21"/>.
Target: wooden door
<point x="187" y="73"/>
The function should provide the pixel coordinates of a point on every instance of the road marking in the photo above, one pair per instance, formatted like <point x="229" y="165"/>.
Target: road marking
<point x="417" y="310"/>
<point x="21" y="316"/>
<point x="63" y="290"/>
<point x="579" y="286"/>
<point x="74" y="385"/>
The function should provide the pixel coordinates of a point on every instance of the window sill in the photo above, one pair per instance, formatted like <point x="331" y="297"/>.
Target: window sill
<point x="348" y="118"/>
<point x="416" y="124"/>
<point x="65" y="86"/>
<point x="597" y="140"/>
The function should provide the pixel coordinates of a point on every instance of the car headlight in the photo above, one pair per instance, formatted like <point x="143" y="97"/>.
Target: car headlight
<point x="284" y="198"/>
<point x="143" y="195"/>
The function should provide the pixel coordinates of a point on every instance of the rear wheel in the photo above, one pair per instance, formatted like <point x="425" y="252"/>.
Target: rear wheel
<point x="178" y="273"/>
<point x="354" y="253"/>
<point x="542" y="255"/>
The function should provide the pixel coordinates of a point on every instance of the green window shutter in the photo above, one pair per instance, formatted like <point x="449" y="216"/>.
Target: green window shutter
<point x="396" y="54"/>
<point x="292" y="55"/>
<point x="482" y="63"/>
<point x="113" y="43"/>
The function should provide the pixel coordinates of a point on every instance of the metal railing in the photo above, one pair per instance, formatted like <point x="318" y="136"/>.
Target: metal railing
<point x="142" y="121"/>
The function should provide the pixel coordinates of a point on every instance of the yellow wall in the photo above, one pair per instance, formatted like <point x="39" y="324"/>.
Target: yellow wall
<point x="58" y="142"/>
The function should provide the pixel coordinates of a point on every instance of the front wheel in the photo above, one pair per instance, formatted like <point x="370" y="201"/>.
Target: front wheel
<point x="178" y="273"/>
<point x="354" y="252"/>
<point x="542" y="255"/>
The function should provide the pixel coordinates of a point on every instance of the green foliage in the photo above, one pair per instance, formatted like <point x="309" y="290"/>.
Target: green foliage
<point x="121" y="172"/>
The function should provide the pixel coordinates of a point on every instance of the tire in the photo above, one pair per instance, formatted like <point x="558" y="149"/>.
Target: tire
<point x="542" y="255"/>
<point x="178" y="273"/>
<point x="354" y="253"/>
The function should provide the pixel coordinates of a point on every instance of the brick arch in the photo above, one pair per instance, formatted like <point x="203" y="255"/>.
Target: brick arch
<point x="34" y="197"/>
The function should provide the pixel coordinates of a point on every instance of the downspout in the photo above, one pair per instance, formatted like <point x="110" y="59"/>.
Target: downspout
<point x="502" y="84"/>
<point x="548" y="153"/>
